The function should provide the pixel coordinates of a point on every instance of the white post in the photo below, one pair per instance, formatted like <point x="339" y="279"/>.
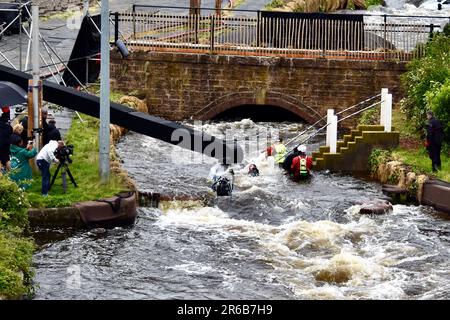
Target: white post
<point x="333" y="134"/>
<point x="36" y="73"/>
<point x="384" y="93"/>
<point x="388" y="114"/>
<point x="85" y="8"/>
<point x="104" y="166"/>
<point x="330" y="114"/>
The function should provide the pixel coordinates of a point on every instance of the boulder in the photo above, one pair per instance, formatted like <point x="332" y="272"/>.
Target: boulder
<point x="376" y="207"/>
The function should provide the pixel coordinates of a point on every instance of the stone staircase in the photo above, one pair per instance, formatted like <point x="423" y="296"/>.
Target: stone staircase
<point x="353" y="151"/>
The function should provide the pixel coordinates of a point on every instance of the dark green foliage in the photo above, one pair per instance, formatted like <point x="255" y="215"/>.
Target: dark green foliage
<point x="15" y="251"/>
<point x="427" y="83"/>
<point x="377" y="157"/>
<point x="13" y="204"/>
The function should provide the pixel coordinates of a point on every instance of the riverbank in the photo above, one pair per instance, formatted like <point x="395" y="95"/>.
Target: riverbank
<point x="84" y="168"/>
<point x="408" y="167"/>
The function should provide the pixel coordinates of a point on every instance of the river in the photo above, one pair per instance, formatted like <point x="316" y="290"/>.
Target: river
<point x="275" y="239"/>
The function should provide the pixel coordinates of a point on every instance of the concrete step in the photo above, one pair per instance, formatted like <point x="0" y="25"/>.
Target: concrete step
<point x="316" y="155"/>
<point x="370" y="128"/>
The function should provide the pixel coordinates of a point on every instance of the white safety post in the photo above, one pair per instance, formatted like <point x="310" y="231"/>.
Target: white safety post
<point x="384" y="93"/>
<point x="333" y="134"/>
<point x="388" y="114"/>
<point x="330" y="114"/>
<point x="85" y="8"/>
<point x="36" y="73"/>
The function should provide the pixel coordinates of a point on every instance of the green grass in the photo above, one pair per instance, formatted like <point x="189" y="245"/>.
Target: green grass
<point x="421" y="163"/>
<point x="84" y="136"/>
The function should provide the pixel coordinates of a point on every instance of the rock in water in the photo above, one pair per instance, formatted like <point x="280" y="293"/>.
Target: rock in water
<point x="376" y="207"/>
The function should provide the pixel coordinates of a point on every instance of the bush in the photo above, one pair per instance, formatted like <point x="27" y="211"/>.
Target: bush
<point x="377" y="157"/>
<point x="15" y="261"/>
<point x="13" y="205"/>
<point x="426" y="82"/>
<point x="438" y="100"/>
<point x="16" y="252"/>
<point x="275" y="4"/>
<point x="370" y="117"/>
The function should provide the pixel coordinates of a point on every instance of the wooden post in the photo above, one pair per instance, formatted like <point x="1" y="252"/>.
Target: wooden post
<point x="218" y="7"/>
<point x="30" y="109"/>
<point x="30" y="132"/>
<point x="195" y="7"/>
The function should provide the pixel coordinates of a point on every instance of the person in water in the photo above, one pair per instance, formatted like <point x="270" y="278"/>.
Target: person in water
<point x="302" y="164"/>
<point x="253" y="171"/>
<point x="288" y="159"/>
<point x="222" y="178"/>
<point x="280" y="151"/>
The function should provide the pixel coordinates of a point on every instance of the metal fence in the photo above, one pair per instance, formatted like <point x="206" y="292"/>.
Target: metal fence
<point x="382" y="37"/>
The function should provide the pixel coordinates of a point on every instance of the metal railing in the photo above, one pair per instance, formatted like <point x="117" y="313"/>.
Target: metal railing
<point x="382" y="37"/>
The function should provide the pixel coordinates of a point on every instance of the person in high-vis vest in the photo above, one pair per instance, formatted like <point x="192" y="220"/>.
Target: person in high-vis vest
<point x="280" y="152"/>
<point x="301" y="165"/>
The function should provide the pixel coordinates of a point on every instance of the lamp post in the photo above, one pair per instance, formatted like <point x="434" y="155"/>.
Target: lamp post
<point x="104" y="166"/>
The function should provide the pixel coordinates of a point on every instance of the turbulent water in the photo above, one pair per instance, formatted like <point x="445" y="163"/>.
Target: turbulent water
<point x="275" y="239"/>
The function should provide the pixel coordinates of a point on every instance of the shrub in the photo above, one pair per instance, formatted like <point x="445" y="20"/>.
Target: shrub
<point x="275" y="4"/>
<point x="370" y="117"/>
<point x="438" y="100"/>
<point x="15" y="261"/>
<point x="425" y="82"/>
<point x="16" y="252"/>
<point x="377" y="157"/>
<point x="13" y="205"/>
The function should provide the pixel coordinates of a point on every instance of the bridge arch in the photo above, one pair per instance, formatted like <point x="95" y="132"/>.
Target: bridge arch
<point x="275" y="99"/>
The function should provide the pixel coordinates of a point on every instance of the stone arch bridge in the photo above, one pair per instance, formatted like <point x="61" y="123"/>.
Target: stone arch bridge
<point x="179" y="86"/>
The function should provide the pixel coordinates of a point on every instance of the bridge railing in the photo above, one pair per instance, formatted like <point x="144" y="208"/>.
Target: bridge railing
<point x="383" y="37"/>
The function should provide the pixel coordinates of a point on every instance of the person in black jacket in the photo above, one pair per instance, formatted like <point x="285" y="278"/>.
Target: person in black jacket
<point x="5" y="138"/>
<point x="53" y="132"/>
<point x="435" y="135"/>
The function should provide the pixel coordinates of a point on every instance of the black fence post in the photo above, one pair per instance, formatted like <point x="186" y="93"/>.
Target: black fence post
<point x="385" y="36"/>
<point x="116" y="27"/>
<point x="134" y="21"/>
<point x="258" y="29"/>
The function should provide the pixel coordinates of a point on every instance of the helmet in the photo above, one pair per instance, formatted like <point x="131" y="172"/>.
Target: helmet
<point x="302" y="148"/>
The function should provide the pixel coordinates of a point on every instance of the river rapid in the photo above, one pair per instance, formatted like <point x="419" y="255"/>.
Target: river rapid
<point x="275" y="239"/>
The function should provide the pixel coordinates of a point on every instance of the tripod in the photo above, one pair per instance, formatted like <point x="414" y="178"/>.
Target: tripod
<point x="64" y="167"/>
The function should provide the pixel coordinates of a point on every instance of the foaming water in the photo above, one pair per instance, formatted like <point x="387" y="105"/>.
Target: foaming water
<point x="275" y="239"/>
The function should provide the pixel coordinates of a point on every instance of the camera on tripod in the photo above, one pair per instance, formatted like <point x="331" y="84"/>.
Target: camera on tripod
<point x="63" y="153"/>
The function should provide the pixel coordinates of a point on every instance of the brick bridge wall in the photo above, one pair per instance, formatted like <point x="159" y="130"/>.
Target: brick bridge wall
<point x="179" y="86"/>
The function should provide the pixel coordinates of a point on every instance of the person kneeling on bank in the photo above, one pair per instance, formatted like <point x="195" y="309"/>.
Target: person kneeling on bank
<point x="44" y="160"/>
<point x="20" y="167"/>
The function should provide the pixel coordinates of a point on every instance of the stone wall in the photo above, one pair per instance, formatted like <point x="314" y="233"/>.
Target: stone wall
<point x="177" y="86"/>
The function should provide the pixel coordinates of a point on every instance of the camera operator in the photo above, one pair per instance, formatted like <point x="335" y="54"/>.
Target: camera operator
<point x="44" y="160"/>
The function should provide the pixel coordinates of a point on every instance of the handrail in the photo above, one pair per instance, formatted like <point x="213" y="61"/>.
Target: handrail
<point x="345" y="118"/>
<point x="340" y="112"/>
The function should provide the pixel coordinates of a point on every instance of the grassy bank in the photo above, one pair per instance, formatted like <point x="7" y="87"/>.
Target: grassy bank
<point x="412" y="152"/>
<point x="84" y="137"/>
<point x="16" y="251"/>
